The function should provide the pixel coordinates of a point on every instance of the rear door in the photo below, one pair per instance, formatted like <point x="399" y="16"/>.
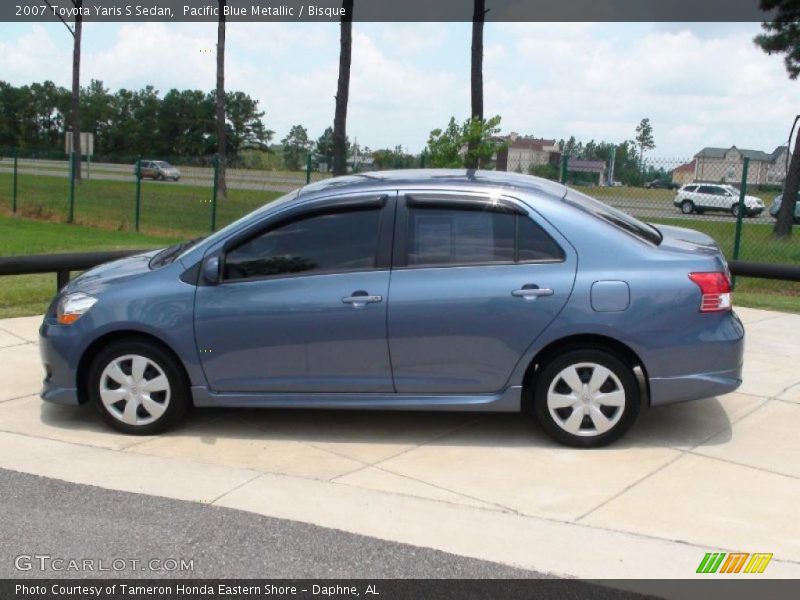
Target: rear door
<point x="475" y="280"/>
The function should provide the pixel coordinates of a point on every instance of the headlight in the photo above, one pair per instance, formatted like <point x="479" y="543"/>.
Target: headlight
<point x="73" y="306"/>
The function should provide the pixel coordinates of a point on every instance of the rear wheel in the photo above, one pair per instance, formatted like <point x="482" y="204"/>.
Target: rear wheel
<point x="687" y="207"/>
<point x="586" y="398"/>
<point x="138" y="387"/>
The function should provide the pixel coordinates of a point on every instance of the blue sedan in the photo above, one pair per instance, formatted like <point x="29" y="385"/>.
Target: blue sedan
<point x="406" y="290"/>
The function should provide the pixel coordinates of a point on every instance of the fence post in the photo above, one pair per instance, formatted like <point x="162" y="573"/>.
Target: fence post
<point x="71" y="210"/>
<point x="308" y="168"/>
<point x="737" y="240"/>
<point x="564" y="162"/>
<point x="138" y="173"/>
<point x="422" y="160"/>
<point x="214" y="194"/>
<point x="14" y="185"/>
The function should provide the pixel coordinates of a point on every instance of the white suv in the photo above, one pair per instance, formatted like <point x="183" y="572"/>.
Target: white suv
<point x="700" y="197"/>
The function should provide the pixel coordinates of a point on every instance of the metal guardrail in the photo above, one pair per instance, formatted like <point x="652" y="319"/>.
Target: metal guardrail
<point x="63" y="264"/>
<point x="60" y="264"/>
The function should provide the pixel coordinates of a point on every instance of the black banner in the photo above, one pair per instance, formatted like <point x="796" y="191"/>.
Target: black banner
<point x="394" y="589"/>
<point x="387" y="10"/>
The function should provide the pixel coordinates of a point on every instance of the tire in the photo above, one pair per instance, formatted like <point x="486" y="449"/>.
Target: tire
<point x="586" y="421"/>
<point x="687" y="207"/>
<point x="735" y="210"/>
<point x="123" y="402"/>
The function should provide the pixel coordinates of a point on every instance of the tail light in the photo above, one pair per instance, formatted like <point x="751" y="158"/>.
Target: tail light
<point x="716" y="290"/>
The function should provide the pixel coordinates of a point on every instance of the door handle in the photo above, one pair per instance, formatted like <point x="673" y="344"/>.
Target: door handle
<point x="360" y="299"/>
<point x="531" y="292"/>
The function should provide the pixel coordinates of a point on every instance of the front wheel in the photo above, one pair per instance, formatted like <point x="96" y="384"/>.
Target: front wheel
<point x="735" y="210"/>
<point x="138" y="387"/>
<point x="586" y="398"/>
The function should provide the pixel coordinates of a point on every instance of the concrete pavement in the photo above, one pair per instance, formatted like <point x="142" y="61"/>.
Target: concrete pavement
<point x="715" y="475"/>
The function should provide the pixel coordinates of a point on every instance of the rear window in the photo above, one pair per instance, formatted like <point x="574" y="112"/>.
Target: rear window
<point x="615" y="217"/>
<point x="689" y="188"/>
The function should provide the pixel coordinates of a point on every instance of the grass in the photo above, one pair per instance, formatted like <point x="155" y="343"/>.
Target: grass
<point x="30" y="294"/>
<point x="166" y="208"/>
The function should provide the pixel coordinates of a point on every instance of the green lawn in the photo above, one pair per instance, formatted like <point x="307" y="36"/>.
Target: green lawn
<point x="166" y="208"/>
<point x="30" y="294"/>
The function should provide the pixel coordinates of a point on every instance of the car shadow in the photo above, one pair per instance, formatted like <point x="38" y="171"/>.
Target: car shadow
<point x="703" y="422"/>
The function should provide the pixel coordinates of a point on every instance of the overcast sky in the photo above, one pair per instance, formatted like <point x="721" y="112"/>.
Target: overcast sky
<point x="700" y="84"/>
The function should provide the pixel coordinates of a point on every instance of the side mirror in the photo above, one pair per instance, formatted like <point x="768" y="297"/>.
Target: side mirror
<point x="211" y="269"/>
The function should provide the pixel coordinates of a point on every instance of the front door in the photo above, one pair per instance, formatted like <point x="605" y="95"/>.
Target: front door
<point x="476" y="280"/>
<point x="301" y="306"/>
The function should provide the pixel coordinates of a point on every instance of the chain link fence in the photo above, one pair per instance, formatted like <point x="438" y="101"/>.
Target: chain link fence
<point x="702" y="193"/>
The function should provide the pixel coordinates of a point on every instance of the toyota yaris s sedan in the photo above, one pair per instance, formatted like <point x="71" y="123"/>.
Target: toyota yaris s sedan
<point x="406" y="290"/>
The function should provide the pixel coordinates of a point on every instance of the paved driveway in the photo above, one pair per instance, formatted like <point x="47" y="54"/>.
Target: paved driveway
<point x="720" y="474"/>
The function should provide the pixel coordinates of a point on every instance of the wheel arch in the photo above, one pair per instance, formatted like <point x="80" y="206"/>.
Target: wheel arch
<point x="583" y="342"/>
<point x="98" y="344"/>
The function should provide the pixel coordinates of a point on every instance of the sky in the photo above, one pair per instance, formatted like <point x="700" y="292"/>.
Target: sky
<point x="700" y="84"/>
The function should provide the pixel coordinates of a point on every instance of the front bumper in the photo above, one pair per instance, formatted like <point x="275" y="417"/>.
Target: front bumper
<point x="60" y="352"/>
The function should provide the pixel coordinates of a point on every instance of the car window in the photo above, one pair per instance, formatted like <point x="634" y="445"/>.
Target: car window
<point x="615" y="217"/>
<point x="707" y="189"/>
<point x="439" y="236"/>
<point x="690" y="188"/>
<point x="534" y="244"/>
<point x="340" y="241"/>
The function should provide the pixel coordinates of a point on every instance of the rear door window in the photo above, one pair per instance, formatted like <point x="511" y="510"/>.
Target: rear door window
<point x="445" y="236"/>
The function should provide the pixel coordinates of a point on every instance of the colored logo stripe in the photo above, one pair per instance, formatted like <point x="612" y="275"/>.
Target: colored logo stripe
<point x="713" y="562"/>
<point x="758" y="562"/>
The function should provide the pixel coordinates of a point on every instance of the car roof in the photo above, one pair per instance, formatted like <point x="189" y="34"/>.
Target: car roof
<point x="408" y="178"/>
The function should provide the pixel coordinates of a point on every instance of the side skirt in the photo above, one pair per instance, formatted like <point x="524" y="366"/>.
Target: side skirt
<point x="506" y="401"/>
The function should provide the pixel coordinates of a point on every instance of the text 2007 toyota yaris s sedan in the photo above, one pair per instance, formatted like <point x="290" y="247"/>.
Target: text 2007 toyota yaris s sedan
<point x="408" y="290"/>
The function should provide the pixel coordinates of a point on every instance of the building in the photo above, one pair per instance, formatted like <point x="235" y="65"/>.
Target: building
<point x="524" y="152"/>
<point x="597" y="167"/>
<point x="685" y="173"/>
<point x="724" y="165"/>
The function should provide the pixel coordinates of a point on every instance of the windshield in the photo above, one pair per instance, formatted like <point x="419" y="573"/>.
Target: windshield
<point x="616" y="217"/>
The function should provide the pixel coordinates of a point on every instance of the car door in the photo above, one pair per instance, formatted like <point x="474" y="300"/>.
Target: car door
<point x="707" y="197"/>
<point x="301" y="303"/>
<point x="474" y="281"/>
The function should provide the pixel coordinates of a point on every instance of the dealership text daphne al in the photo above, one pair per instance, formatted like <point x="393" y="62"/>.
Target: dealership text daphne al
<point x="180" y="589"/>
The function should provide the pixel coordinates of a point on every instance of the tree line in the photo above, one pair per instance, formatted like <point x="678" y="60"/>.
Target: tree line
<point x="129" y="123"/>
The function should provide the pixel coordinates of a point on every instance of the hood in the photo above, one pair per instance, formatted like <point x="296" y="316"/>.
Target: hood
<point x="753" y="200"/>
<point x="689" y="240"/>
<point x="118" y="271"/>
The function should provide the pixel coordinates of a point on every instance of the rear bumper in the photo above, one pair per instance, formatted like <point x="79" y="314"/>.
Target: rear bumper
<point x="711" y="365"/>
<point x="669" y="390"/>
